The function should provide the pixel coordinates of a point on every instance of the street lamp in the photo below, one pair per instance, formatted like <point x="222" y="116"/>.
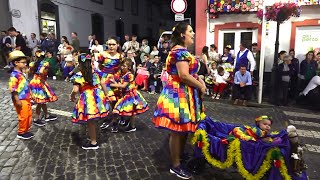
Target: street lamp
<point x="279" y="12"/>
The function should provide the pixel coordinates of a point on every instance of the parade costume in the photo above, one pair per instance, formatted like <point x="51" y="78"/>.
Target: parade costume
<point x="19" y="84"/>
<point x="92" y="103"/>
<point x="132" y="102"/>
<point x="41" y="92"/>
<point x="224" y="145"/>
<point x="179" y="107"/>
<point x="109" y="72"/>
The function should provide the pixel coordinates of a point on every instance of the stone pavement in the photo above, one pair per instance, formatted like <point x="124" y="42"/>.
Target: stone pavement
<point x="54" y="153"/>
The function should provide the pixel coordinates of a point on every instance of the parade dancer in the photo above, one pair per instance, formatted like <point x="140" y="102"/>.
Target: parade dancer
<point x="131" y="102"/>
<point x="41" y="91"/>
<point x="179" y="107"/>
<point x="93" y="103"/>
<point x="109" y="64"/>
<point x="20" y="94"/>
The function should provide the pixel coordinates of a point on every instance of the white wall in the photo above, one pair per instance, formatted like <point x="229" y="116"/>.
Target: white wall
<point x="28" y="22"/>
<point x="79" y="20"/>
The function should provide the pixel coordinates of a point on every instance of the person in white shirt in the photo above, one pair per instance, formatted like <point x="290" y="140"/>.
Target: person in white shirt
<point x="130" y="55"/>
<point x="220" y="82"/>
<point x="96" y="49"/>
<point x="213" y="55"/>
<point x="134" y="44"/>
<point x="244" y="57"/>
<point x="125" y="46"/>
<point x="33" y="43"/>
<point x="144" y="49"/>
<point x="154" y="52"/>
<point x="91" y="39"/>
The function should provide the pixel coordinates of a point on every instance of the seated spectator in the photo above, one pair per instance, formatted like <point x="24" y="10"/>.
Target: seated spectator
<point x="155" y="73"/>
<point x="242" y="85"/>
<point x="314" y="83"/>
<point x="318" y="62"/>
<point x="53" y="64"/>
<point x="164" y="76"/>
<point x="220" y="83"/>
<point x="308" y="68"/>
<point x="96" y="49"/>
<point x="211" y="77"/>
<point x="286" y="71"/>
<point x="143" y="73"/>
<point x="164" y="51"/>
<point x="69" y="66"/>
<point x="154" y="52"/>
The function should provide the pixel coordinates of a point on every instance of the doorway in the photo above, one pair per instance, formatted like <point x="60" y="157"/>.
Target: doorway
<point x="120" y="30"/>
<point x="98" y="27"/>
<point x="233" y="38"/>
<point x="49" y="17"/>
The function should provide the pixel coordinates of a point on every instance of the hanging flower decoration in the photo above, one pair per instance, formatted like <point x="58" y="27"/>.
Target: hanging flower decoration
<point x="280" y="12"/>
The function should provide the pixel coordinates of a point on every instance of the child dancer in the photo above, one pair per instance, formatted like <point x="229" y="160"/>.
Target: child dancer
<point x="20" y="94"/>
<point x="209" y="79"/>
<point x="109" y="63"/>
<point x="41" y="91"/>
<point x="132" y="102"/>
<point x="92" y="104"/>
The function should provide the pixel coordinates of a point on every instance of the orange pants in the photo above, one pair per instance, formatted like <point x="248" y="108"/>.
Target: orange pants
<point x="24" y="116"/>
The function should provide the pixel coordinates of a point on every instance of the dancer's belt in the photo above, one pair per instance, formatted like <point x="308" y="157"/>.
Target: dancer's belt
<point x="88" y="87"/>
<point x="178" y="79"/>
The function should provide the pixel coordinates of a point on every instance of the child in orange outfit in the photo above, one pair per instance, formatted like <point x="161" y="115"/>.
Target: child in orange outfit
<point x="21" y="96"/>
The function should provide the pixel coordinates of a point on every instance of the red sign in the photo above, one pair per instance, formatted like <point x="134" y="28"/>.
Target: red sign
<point x="179" y="6"/>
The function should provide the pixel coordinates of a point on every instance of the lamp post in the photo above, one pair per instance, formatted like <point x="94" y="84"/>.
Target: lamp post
<point x="275" y="70"/>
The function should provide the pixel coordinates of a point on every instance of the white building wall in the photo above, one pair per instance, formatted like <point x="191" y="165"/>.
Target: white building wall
<point x="75" y="15"/>
<point x="28" y="22"/>
<point x="308" y="12"/>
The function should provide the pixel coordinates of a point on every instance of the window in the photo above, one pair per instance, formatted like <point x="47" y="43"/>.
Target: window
<point x="135" y="29"/>
<point x="228" y="40"/>
<point x="118" y="5"/>
<point x="98" y="1"/>
<point x="134" y="7"/>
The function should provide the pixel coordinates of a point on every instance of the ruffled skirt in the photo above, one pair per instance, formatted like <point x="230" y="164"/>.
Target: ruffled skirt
<point x="41" y="93"/>
<point x="92" y="105"/>
<point x="132" y="103"/>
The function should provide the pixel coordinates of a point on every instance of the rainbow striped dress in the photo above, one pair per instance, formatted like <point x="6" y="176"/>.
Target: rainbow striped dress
<point x="41" y="92"/>
<point x="109" y="71"/>
<point x="92" y="103"/>
<point x="179" y="106"/>
<point x="132" y="102"/>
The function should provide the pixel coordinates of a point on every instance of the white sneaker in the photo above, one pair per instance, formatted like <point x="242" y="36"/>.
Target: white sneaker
<point x="7" y="67"/>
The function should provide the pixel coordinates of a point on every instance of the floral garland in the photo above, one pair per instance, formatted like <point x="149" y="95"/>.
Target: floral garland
<point x="280" y="12"/>
<point x="234" y="155"/>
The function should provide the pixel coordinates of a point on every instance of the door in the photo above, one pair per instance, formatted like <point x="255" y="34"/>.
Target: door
<point x="98" y="27"/>
<point x="120" y="30"/>
<point x="233" y="37"/>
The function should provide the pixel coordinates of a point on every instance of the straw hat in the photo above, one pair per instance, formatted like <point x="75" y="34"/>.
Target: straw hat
<point x="16" y="54"/>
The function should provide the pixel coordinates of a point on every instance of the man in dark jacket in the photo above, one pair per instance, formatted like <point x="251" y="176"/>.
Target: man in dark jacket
<point x="20" y="43"/>
<point x="164" y="51"/>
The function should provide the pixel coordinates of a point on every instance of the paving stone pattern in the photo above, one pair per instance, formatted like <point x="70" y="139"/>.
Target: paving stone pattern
<point x="55" y="152"/>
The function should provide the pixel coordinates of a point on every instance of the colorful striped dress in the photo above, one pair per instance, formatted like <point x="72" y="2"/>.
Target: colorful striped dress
<point x="179" y="106"/>
<point x="109" y="71"/>
<point x="92" y="103"/>
<point x="41" y="92"/>
<point x="132" y="102"/>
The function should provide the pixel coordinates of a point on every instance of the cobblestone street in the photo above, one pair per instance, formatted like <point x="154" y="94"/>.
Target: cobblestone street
<point x="54" y="152"/>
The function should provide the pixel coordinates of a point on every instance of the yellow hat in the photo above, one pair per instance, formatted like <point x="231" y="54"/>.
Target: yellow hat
<point x="16" y="54"/>
<point x="263" y="117"/>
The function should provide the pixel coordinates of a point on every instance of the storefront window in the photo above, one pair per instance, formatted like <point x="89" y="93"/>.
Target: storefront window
<point x="246" y="37"/>
<point x="48" y="22"/>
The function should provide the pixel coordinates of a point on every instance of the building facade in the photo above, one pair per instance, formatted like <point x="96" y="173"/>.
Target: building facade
<point x="103" y="18"/>
<point x="231" y="27"/>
